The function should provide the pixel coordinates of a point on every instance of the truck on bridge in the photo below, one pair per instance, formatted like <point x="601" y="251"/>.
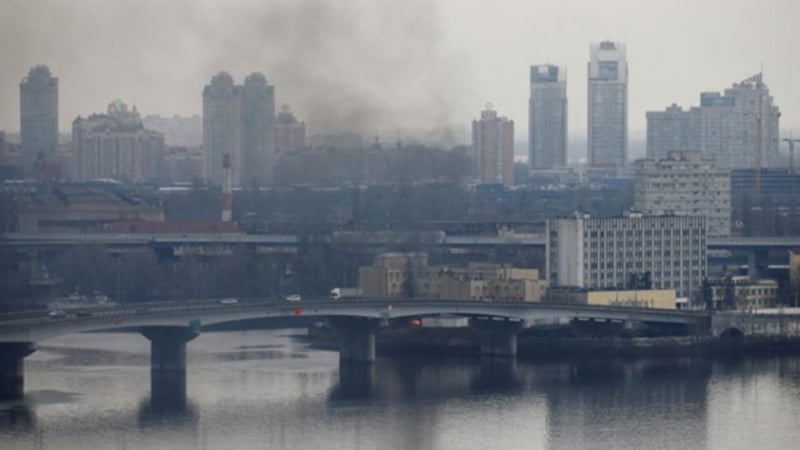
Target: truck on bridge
<point x="341" y="293"/>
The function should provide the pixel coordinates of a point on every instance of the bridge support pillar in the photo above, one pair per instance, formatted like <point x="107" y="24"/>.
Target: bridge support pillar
<point x="356" y="339"/>
<point x="12" y="369"/>
<point x="498" y="338"/>
<point x="168" y="363"/>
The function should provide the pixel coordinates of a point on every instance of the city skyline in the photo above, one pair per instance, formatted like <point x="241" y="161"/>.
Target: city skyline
<point x="460" y="74"/>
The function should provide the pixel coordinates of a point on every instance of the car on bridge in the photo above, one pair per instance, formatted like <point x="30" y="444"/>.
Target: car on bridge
<point x="293" y="298"/>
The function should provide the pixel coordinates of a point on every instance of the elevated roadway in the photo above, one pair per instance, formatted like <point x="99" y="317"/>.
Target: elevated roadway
<point x="34" y="241"/>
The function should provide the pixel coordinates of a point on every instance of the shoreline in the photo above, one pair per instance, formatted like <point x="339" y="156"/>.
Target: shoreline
<point x="435" y="342"/>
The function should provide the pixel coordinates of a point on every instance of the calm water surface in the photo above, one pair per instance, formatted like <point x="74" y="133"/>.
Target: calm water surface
<point x="265" y="389"/>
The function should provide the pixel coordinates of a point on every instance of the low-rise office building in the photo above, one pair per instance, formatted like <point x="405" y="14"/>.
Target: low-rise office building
<point x="740" y="293"/>
<point x="604" y="253"/>
<point x="407" y="275"/>
<point x="638" y="298"/>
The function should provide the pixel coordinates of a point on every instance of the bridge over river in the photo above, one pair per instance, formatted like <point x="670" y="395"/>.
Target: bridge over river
<point x="170" y="326"/>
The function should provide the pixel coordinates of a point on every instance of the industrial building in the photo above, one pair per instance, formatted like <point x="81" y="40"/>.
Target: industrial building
<point x="79" y="207"/>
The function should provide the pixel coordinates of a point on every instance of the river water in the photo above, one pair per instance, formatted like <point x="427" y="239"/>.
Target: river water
<point x="266" y="389"/>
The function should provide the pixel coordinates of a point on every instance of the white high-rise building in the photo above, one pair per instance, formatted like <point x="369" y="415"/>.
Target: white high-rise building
<point x="685" y="184"/>
<point x="547" y="118"/>
<point x="222" y="127"/>
<point x="608" y="105"/>
<point x="238" y="120"/>
<point x="725" y="127"/>
<point x="116" y="145"/>
<point x="600" y="253"/>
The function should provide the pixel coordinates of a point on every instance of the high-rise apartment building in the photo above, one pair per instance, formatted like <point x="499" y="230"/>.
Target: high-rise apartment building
<point x="685" y="184"/>
<point x="238" y="120"/>
<point x="38" y="94"/>
<point x="178" y="131"/>
<point x="602" y="253"/>
<point x="493" y="148"/>
<point x="290" y="134"/>
<point x="116" y="145"/>
<point x="258" y="139"/>
<point x="547" y="118"/>
<point x="725" y="127"/>
<point x="222" y="127"/>
<point x="608" y="105"/>
<point x="671" y="130"/>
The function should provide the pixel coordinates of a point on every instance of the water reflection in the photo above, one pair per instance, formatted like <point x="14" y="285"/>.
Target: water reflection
<point x="17" y="417"/>
<point x="356" y="382"/>
<point x="652" y="402"/>
<point x="160" y="412"/>
<point x="241" y="397"/>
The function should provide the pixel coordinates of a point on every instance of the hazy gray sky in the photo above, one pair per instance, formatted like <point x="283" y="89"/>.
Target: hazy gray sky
<point x="390" y="65"/>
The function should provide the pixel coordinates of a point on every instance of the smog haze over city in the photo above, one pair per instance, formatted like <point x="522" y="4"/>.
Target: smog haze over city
<point x="399" y="224"/>
<point x="386" y="66"/>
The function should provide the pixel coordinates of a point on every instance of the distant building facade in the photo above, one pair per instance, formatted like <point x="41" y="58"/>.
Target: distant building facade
<point x="258" y="139"/>
<point x="608" y="105"/>
<point x="238" y="120"/>
<point x="81" y="207"/>
<point x="602" y="253"/>
<point x="408" y="275"/>
<point x="725" y="127"/>
<point x="182" y="165"/>
<point x="685" y="184"/>
<point x="635" y="298"/>
<point x="547" y="118"/>
<point x="116" y="146"/>
<point x="178" y="131"/>
<point x="672" y="130"/>
<point x="774" y="182"/>
<point x="493" y="148"/>
<point x="741" y="293"/>
<point x="38" y="94"/>
<point x="222" y="127"/>
<point x="290" y="134"/>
